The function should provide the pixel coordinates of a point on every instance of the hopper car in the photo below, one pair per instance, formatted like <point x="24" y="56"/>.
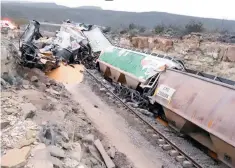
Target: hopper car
<point x="194" y="103"/>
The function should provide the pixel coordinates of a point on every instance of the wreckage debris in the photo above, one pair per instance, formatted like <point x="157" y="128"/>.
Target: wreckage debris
<point x="57" y="56"/>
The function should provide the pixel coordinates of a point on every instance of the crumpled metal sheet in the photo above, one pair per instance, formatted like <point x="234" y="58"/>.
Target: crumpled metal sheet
<point x="69" y="37"/>
<point x="98" y="41"/>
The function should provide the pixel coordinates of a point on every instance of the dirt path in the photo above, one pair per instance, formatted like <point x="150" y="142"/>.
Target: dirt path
<point x="115" y="128"/>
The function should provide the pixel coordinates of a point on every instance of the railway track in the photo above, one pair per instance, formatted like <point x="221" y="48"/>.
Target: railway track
<point x="162" y="140"/>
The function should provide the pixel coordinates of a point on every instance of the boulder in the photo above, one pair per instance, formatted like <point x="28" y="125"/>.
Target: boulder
<point x="230" y="54"/>
<point x="56" y="151"/>
<point x="4" y="124"/>
<point x="157" y="43"/>
<point x="163" y="44"/>
<point x="29" y="110"/>
<point x="76" y="153"/>
<point x="40" y="164"/>
<point x="15" y="157"/>
<point x="34" y="79"/>
<point x="89" y="138"/>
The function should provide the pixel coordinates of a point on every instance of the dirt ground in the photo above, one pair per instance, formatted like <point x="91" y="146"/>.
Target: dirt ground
<point x="115" y="128"/>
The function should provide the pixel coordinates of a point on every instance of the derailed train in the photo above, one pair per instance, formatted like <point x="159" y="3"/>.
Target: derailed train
<point x="197" y="104"/>
<point x="194" y="103"/>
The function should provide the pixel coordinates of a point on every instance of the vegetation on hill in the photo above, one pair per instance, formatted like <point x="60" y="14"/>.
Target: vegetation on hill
<point x="115" y="19"/>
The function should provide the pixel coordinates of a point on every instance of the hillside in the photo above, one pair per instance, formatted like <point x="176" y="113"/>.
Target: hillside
<point x="54" y="13"/>
<point x="90" y="7"/>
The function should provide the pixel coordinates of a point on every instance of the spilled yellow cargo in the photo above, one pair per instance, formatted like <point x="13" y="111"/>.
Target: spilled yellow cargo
<point x="67" y="74"/>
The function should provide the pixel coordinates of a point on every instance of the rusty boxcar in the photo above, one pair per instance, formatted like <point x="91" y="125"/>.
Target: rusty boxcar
<point x="201" y="108"/>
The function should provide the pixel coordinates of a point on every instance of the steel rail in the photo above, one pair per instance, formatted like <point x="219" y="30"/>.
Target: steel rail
<point x="195" y="164"/>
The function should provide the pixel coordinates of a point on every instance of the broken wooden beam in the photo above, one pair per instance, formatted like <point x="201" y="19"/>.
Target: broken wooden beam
<point x="109" y="163"/>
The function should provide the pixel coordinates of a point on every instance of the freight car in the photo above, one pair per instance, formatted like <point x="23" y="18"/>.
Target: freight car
<point x="194" y="103"/>
<point x="132" y="68"/>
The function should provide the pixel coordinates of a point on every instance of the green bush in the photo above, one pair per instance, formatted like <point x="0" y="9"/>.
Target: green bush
<point x="159" y="29"/>
<point x="132" y="26"/>
<point x="106" y="29"/>
<point x="124" y="31"/>
<point x="194" y="27"/>
<point x="142" y="29"/>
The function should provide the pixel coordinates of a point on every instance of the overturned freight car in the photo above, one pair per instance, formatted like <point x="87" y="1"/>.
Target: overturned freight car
<point x="201" y="108"/>
<point x="132" y="68"/>
<point x="194" y="103"/>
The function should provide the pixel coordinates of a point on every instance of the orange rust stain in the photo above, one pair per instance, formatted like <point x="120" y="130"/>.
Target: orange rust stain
<point x="155" y="92"/>
<point x="67" y="74"/>
<point x="162" y="121"/>
<point x="213" y="155"/>
<point x="210" y="123"/>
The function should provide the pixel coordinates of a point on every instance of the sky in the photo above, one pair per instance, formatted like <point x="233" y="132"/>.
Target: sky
<point x="221" y="9"/>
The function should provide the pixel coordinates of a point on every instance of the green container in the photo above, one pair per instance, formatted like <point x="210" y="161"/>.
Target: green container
<point x="140" y="65"/>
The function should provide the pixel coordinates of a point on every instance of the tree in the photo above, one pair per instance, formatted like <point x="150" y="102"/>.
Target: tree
<point x="132" y="26"/>
<point x="159" y="29"/>
<point x="124" y="31"/>
<point x="194" y="27"/>
<point x="142" y="29"/>
<point x="133" y="32"/>
<point x="107" y="29"/>
<point x="223" y="31"/>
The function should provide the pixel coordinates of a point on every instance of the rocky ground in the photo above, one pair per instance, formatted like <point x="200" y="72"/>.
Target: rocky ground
<point x="41" y="126"/>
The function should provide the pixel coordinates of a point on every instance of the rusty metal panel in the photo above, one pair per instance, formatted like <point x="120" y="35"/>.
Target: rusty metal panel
<point x="203" y="102"/>
<point x="225" y="152"/>
<point x="114" y="73"/>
